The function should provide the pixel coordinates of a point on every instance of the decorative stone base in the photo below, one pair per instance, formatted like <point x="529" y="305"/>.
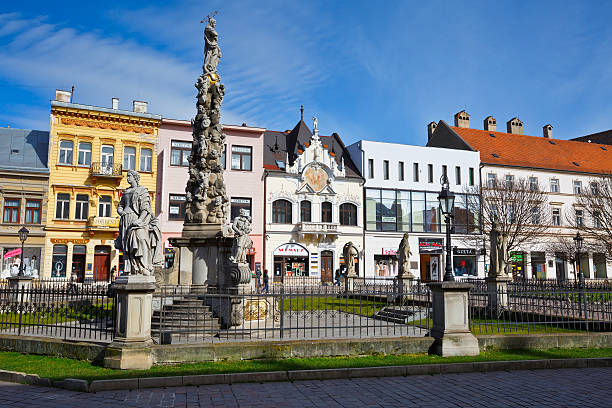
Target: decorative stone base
<point x="455" y="344"/>
<point x="202" y="230"/>
<point x="497" y="289"/>
<point x="128" y="356"/>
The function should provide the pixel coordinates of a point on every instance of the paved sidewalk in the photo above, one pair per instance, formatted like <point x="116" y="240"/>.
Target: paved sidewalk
<point x="585" y="387"/>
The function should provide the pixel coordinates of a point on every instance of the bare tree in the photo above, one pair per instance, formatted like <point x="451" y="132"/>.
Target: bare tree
<point x="596" y="203"/>
<point x="517" y="206"/>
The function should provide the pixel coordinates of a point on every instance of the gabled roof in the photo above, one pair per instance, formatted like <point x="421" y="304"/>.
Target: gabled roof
<point x="24" y="150"/>
<point x="280" y="146"/>
<point x="507" y="149"/>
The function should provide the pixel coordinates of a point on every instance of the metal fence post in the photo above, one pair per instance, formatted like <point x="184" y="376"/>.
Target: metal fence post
<point x="586" y="316"/>
<point x="282" y="307"/>
<point x="20" y="310"/>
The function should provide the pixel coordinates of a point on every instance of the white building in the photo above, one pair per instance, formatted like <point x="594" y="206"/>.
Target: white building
<point x="563" y="168"/>
<point x="314" y="204"/>
<point x="402" y="184"/>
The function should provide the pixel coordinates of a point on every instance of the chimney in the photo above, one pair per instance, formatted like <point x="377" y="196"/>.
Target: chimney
<point x="62" y="96"/>
<point x="515" y="126"/>
<point x="116" y="103"/>
<point x="547" y="131"/>
<point x="140" y="106"/>
<point x="490" y="124"/>
<point x="431" y="127"/>
<point x="462" y="119"/>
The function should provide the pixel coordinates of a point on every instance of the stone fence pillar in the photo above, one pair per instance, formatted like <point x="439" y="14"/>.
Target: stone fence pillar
<point x="497" y="289"/>
<point x="451" y="326"/>
<point x="131" y="348"/>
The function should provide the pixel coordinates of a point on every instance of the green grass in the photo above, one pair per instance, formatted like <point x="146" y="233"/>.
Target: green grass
<point x="58" y="368"/>
<point x="484" y="327"/>
<point x="308" y="303"/>
<point x="57" y="315"/>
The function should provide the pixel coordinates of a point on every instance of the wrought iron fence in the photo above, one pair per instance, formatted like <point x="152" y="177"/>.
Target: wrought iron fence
<point x="309" y="312"/>
<point x="540" y="307"/>
<point x="85" y="312"/>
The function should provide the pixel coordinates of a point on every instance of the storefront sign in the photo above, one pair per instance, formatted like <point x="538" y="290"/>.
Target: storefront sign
<point x="516" y="256"/>
<point x="389" y="251"/>
<point x="12" y="253"/>
<point x="431" y="245"/>
<point x="464" y="251"/>
<point x="67" y="241"/>
<point x="290" y="250"/>
<point x="389" y="219"/>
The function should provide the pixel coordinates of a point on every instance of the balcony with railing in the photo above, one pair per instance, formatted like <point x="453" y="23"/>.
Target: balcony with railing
<point x="106" y="170"/>
<point x="328" y="229"/>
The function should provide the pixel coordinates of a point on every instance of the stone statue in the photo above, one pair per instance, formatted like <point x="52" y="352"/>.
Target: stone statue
<point x="139" y="234"/>
<point x="349" y="252"/>
<point x="315" y="125"/>
<point x="493" y="243"/>
<point x="212" y="52"/>
<point x="206" y="197"/>
<point x="242" y="242"/>
<point x="502" y="255"/>
<point x="499" y="252"/>
<point x="404" y="254"/>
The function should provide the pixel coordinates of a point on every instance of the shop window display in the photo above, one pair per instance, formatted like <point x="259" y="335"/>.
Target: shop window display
<point x="11" y="260"/>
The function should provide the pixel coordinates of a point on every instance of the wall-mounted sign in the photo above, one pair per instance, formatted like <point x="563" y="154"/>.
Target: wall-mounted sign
<point x="389" y="219"/>
<point x="464" y="251"/>
<point x="177" y="197"/>
<point x="389" y="251"/>
<point x="183" y="145"/>
<point x="431" y="245"/>
<point x="290" y="250"/>
<point x="67" y="241"/>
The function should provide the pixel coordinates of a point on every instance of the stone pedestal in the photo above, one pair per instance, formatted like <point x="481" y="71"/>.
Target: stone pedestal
<point x="451" y="326"/>
<point x="16" y="285"/>
<point x="404" y="285"/>
<point x="497" y="289"/>
<point x="131" y="348"/>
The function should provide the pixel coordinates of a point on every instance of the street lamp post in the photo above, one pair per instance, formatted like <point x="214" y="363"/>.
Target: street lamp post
<point x="23" y="235"/>
<point x="447" y="203"/>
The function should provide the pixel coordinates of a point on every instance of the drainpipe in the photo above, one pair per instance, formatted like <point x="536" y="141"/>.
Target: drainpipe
<point x="484" y="257"/>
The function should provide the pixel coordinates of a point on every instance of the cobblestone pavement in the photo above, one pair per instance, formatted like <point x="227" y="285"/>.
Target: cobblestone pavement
<point x="540" y="388"/>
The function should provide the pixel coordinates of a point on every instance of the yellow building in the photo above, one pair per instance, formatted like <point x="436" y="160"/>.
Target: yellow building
<point x="90" y="150"/>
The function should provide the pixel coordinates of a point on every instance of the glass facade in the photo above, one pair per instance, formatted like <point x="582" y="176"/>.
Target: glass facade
<point x="417" y="211"/>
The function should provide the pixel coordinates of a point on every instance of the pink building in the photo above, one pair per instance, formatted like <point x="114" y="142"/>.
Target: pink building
<point x="243" y="164"/>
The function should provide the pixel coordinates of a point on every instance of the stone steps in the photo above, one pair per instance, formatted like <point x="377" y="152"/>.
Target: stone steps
<point x="184" y="321"/>
<point x="393" y="315"/>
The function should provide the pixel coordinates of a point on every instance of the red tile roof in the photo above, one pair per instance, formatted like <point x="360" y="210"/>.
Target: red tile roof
<point x="537" y="152"/>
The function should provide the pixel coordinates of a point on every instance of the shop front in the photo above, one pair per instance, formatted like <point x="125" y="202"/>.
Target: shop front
<point x="11" y="261"/>
<point x="464" y="262"/>
<point x="430" y="251"/>
<point x="290" y="260"/>
<point x="517" y="264"/>
<point x="385" y="263"/>
<point x="538" y="265"/>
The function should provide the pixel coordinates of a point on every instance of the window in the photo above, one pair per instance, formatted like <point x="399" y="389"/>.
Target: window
<point x="594" y="188"/>
<point x="11" y="210"/>
<point x="458" y="175"/>
<point x="222" y="158"/>
<point x="129" y="158"/>
<point x="535" y="215"/>
<point x="415" y="170"/>
<point x="106" y="159"/>
<point x="430" y="173"/>
<point x="509" y="181"/>
<point x="577" y="187"/>
<point x="445" y="171"/>
<point x="386" y="169"/>
<point x="58" y="269"/>
<point x="511" y="214"/>
<point x="533" y="183"/>
<point x="176" y="209"/>
<point x="241" y="158"/>
<point x="371" y="168"/>
<point x="305" y="208"/>
<point x="596" y="219"/>
<point x="281" y="212"/>
<point x="65" y="152"/>
<point x="400" y="171"/>
<point x="146" y="160"/>
<point x="32" y="214"/>
<point x="62" y="206"/>
<point x="556" y="216"/>
<point x="240" y="203"/>
<point x="348" y="214"/>
<point x="579" y="218"/>
<point x="81" y="209"/>
<point x="471" y="174"/>
<point x="179" y="152"/>
<point x="554" y="185"/>
<point x="104" y="206"/>
<point x="326" y="211"/>
<point x="84" y="158"/>
<point x="491" y="180"/>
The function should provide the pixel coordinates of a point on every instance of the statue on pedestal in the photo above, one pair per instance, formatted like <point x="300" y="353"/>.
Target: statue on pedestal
<point x="404" y="254"/>
<point x="349" y="252"/>
<point x="242" y="242"/>
<point x="139" y="234"/>
<point x="498" y="253"/>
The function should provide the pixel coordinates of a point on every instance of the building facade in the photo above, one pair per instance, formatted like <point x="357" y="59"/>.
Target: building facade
<point x="314" y="205"/>
<point x="402" y="183"/>
<point x="24" y="182"/>
<point x="242" y="161"/>
<point x="90" y="151"/>
<point x="561" y="168"/>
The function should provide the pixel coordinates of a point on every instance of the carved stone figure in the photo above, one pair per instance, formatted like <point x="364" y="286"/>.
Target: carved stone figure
<point x="502" y="255"/>
<point x="498" y="256"/>
<point x="212" y="52"/>
<point x="404" y="254"/>
<point x="349" y="252"/>
<point x="242" y="242"/>
<point x="139" y="234"/>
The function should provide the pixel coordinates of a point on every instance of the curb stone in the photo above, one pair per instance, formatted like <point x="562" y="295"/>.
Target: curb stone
<point x="300" y="375"/>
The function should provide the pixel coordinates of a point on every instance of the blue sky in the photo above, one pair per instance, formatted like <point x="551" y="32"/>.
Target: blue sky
<point x="373" y="70"/>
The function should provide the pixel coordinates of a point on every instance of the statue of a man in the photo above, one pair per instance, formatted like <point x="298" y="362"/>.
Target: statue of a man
<point x="404" y="254"/>
<point x="212" y="52"/>
<point x="139" y="234"/>
<point x="494" y="238"/>
<point x="349" y="252"/>
<point x="502" y="254"/>
<point x="242" y="242"/>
